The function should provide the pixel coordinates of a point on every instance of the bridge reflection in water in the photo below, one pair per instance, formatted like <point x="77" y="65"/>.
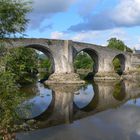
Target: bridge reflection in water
<point x="59" y="104"/>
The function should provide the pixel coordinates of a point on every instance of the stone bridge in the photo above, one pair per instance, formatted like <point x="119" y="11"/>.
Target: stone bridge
<point x="63" y="52"/>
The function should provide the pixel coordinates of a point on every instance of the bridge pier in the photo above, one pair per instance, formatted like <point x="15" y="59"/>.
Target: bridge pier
<point x="106" y="70"/>
<point x="64" y="70"/>
<point x="65" y="78"/>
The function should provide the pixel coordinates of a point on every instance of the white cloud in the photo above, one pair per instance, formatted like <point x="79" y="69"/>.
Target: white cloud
<point x="118" y="33"/>
<point x="137" y="47"/>
<point x="85" y="36"/>
<point x="125" y="14"/>
<point x="57" y="35"/>
<point x="100" y="37"/>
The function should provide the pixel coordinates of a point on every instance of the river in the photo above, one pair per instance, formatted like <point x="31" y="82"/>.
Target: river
<point x="94" y="111"/>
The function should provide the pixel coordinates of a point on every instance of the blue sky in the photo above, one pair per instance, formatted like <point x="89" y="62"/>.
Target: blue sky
<point x="93" y="21"/>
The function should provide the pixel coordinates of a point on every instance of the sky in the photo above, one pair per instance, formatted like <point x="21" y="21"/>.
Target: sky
<point x="91" y="21"/>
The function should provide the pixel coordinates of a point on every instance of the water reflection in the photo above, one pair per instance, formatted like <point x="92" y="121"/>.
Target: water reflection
<point x="119" y="91"/>
<point x="37" y="105"/>
<point x="72" y="103"/>
<point x="84" y="96"/>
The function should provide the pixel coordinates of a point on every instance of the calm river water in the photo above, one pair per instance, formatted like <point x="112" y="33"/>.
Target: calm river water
<point x="94" y="111"/>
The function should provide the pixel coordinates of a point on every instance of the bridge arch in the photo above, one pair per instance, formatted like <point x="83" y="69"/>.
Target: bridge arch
<point x="44" y="50"/>
<point x="119" y="63"/>
<point x="93" y="55"/>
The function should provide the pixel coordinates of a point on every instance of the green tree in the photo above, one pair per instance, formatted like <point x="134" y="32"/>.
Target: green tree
<point x="12" y="22"/>
<point x="9" y="100"/>
<point x="45" y="63"/>
<point x="23" y="63"/>
<point x="117" y="66"/>
<point x="83" y="61"/>
<point x="115" y="43"/>
<point x="13" y="17"/>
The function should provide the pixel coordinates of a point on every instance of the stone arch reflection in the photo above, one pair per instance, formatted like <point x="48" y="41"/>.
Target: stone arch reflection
<point x="86" y="98"/>
<point x="38" y="105"/>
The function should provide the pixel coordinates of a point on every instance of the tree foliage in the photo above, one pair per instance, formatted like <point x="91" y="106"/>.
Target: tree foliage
<point x="9" y="99"/>
<point x="45" y="63"/>
<point x="115" y="43"/>
<point x="12" y="22"/>
<point x="17" y="67"/>
<point x="117" y="66"/>
<point x="23" y="63"/>
<point x="13" y="17"/>
<point x="83" y="61"/>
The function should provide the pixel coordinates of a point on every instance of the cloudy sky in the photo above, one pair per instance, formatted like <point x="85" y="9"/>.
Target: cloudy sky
<point x="93" y="21"/>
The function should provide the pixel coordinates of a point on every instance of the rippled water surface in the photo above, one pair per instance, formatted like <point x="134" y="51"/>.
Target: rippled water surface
<point x="94" y="111"/>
